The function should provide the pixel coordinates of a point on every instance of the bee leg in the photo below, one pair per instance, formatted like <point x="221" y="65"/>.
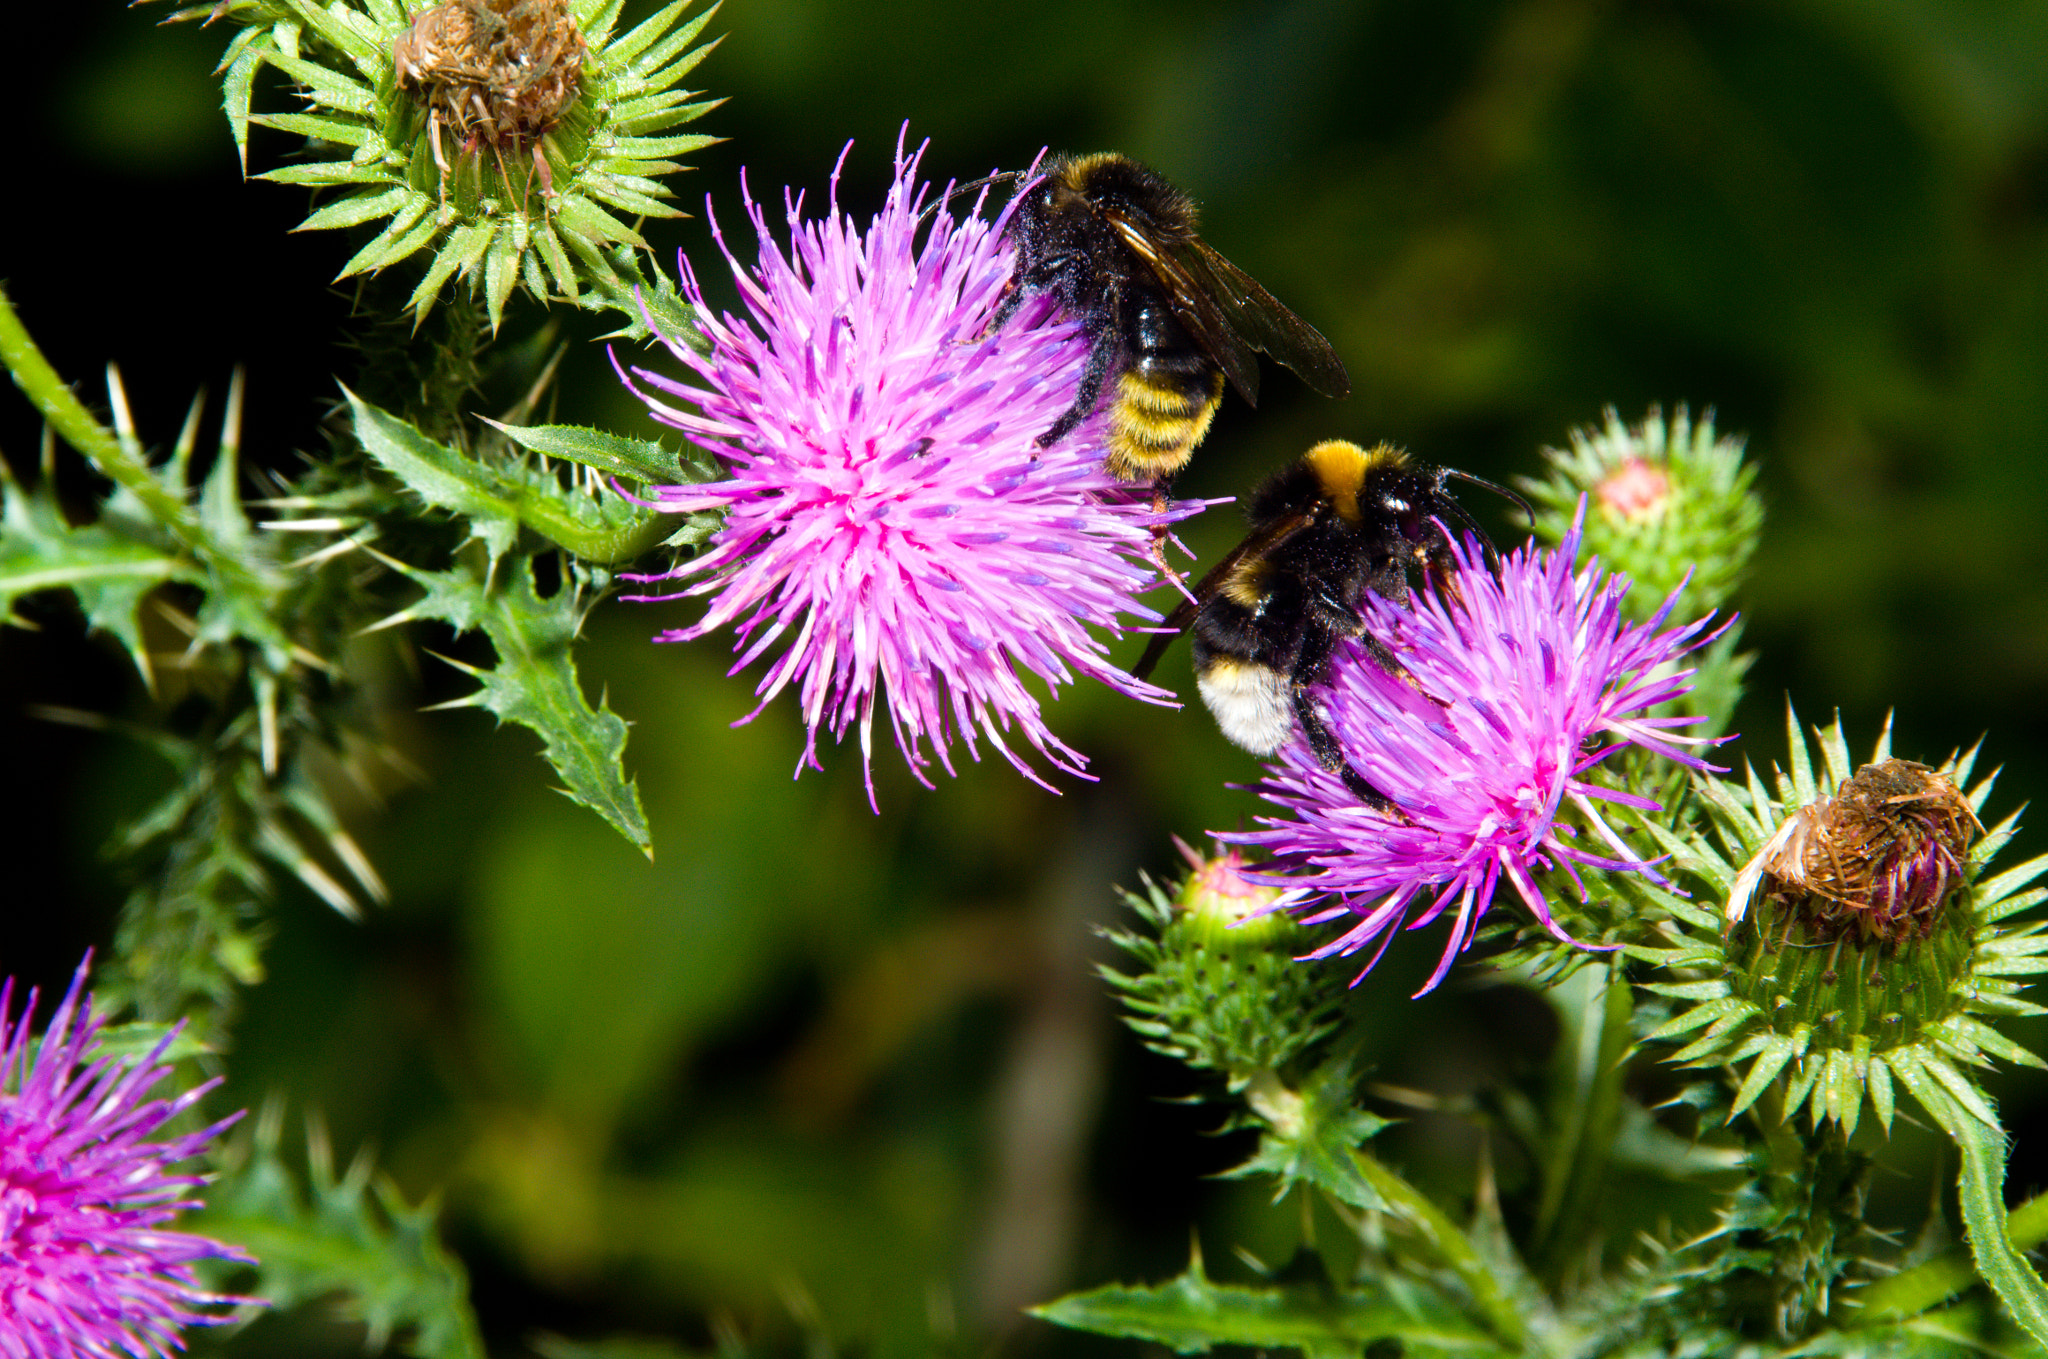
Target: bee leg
<point x="1323" y="742"/>
<point x="1387" y="661"/>
<point x="1162" y="534"/>
<point x="1101" y="354"/>
<point x="1013" y="298"/>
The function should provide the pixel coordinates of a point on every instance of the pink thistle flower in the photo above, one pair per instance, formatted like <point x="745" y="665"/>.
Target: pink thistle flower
<point x="886" y="505"/>
<point x="85" y="1265"/>
<point x="1518" y="683"/>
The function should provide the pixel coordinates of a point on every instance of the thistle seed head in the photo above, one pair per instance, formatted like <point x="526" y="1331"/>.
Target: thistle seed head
<point x="494" y="72"/>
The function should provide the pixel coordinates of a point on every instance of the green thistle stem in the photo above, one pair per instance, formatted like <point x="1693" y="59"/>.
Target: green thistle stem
<point x="1598" y="1009"/>
<point x="1913" y="1291"/>
<point x="605" y="548"/>
<point x="127" y="467"/>
<point x="1496" y="1309"/>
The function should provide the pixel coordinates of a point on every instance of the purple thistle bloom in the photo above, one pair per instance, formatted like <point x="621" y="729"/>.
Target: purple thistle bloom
<point x="1517" y="684"/>
<point x="886" y="505"/>
<point x="85" y="1267"/>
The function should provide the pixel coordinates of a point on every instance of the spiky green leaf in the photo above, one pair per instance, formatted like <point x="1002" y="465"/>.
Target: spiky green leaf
<point x="1190" y="1314"/>
<point x="353" y="1237"/>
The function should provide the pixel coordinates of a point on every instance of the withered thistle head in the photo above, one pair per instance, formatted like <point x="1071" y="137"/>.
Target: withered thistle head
<point x="494" y="72"/>
<point x="1879" y="858"/>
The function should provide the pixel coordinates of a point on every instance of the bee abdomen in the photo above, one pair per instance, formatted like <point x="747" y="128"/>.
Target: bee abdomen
<point x="1253" y="702"/>
<point x="1158" y="417"/>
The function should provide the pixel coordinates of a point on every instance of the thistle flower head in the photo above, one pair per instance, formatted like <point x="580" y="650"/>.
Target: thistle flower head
<point x="887" y="509"/>
<point x="86" y="1267"/>
<point x="1514" y="686"/>
<point x="1862" y="943"/>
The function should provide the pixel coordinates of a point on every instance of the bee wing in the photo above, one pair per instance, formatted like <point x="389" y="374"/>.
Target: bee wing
<point x="1258" y="317"/>
<point x="1194" y="306"/>
<point x="1260" y="541"/>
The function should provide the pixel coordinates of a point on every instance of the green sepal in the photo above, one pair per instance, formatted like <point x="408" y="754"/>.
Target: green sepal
<point x="353" y="1237"/>
<point x="339" y="131"/>
<point x="1189" y="1314"/>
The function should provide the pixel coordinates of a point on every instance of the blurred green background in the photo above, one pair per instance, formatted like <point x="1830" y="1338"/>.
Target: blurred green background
<point x="834" y="1078"/>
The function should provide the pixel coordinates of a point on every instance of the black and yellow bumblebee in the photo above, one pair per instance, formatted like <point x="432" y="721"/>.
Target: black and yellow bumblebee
<point x="1326" y="529"/>
<point x="1166" y="316"/>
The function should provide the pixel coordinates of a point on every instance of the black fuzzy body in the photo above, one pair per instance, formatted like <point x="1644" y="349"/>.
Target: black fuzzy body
<point x="1167" y="319"/>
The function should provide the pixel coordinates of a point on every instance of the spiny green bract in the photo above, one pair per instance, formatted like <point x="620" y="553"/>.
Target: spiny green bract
<point x="1844" y="1020"/>
<point x="553" y="215"/>
<point x="1218" y="986"/>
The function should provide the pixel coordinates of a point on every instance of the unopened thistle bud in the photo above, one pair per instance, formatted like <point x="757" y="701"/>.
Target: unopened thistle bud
<point x="1861" y="944"/>
<point x="1670" y="498"/>
<point x="1218" y="986"/>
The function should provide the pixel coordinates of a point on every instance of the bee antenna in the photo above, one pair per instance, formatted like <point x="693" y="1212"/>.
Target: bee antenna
<point x="1528" y="511"/>
<point x="971" y="185"/>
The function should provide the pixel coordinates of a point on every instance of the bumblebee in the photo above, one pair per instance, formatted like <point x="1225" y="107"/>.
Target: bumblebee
<point x="1341" y="521"/>
<point x="1167" y="318"/>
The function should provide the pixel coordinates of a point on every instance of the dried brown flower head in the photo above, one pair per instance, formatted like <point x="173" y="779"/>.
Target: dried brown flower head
<point x="494" y="72"/>
<point x="1879" y="858"/>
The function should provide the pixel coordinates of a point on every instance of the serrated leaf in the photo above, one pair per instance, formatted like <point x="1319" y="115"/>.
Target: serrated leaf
<point x="534" y="684"/>
<point x="1980" y="1191"/>
<point x="442" y="477"/>
<point x="498" y="499"/>
<point x="1312" y="1136"/>
<point x="646" y="461"/>
<point x="354" y="1237"/>
<point x="109" y="572"/>
<point x="1191" y="1314"/>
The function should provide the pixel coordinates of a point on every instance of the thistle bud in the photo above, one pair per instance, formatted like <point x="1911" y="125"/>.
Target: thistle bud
<point x="1672" y="499"/>
<point x="509" y="143"/>
<point x="1635" y="490"/>
<point x="1219" y="987"/>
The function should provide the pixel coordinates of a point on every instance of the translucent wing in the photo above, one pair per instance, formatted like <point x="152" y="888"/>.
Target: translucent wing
<point x="1258" y="543"/>
<point x="1257" y="317"/>
<point x="1200" y="313"/>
